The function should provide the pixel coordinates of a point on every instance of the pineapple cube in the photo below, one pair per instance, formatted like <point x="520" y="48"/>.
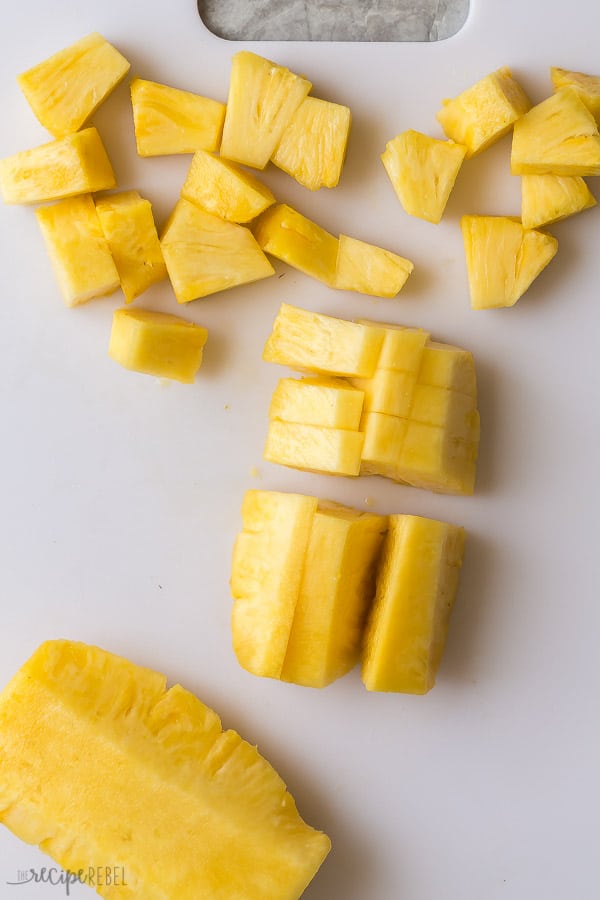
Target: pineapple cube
<point x="101" y="763"/>
<point x="323" y="344"/>
<point x="263" y="98"/>
<point x="333" y="451"/>
<point x="338" y="586"/>
<point x="128" y="226"/>
<point x="549" y="198"/>
<point x="222" y="188"/>
<point x="368" y="269"/>
<point x="416" y="589"/>
<point x="78" y="250"/>
<point x="294" y="239"/>
<point x="559" y="136"/>
<point x="434" y="459"/>
<point x="484" y="112"/>
<point x="586" y="86"/>
<point x="402" y="347"/>
<point x="76" y="164"/>
<point x="448" y="367"/>
<point x="384" y="436"/>
<point x="168" y="120"/>
<point x="423" y="170"/>
<point x="157" y="344"/>
<point x="451" y="410"/>
<point x="328" y="402"/>
<point x="312" y="148"/>
<point x="268" y="559"/>
<point x="388" y="391"/>
<point x="503" y="258"/>
<point x="66" y="89"/>
<point x="205" y="254"/>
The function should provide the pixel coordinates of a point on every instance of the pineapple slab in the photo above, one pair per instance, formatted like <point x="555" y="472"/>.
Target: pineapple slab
<point x="550" y="198"/>
<point x="388" y="391"/>
<point x="330" y="451"/>
<point x="369" y="269"/>
<point x="222" y="188"/>
<point x="128" y="225"/>
<point x="484" y="112"/>
<point x="587" y="87"/>
<point x="205" y="254"/>
<point x="76" y="164"/>
<point x="79" y="252"/>
<point x="101" y="765"/>
<point x="157" y="344"/>
<point x="168" y="120"/>
<point x="312" y="148"/>
<point x="263" y="98"/>
<point x="291" y="237"/>
<point x="416" y="589"/>
<point x="423" y="170"/>
<point x="328" y="402"/>
<point x="68" y="87"/>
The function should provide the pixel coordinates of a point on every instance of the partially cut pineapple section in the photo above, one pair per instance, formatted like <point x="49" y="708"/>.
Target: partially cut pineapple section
<point x="587" y="87"/>
<point x="157" y="344"/>
<point x="67" y="88"/>
<point x="312" y="148"/>
<point x="224" y="189"/>
<point x="369" y="269"/>
<point x="550" y="198"/>
<point x="102" y="766"/>
<point x="289" y="236"/>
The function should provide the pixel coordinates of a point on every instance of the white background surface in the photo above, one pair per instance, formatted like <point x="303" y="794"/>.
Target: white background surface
<point x="121" y="497"/>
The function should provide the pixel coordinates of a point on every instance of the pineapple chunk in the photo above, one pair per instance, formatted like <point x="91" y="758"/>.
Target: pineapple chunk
<point x="291" y="237"/>
<point x="101" y="764"/>
<point x="549" y="198"/>
<point x="423" y="170"/>
<point x="416" y="589"/>
<point x="333" y="451"/>
<point x="328" y="402"/>
<point x="221" y="188"/>
<point x="323" y="344"/>
<point x="268" y="558"/>
<point x="128" y="226"/>
<point x="78" y="250"/>
<point x="559" y="136"/>
<point x="368" y="269"/>
<point x="76" y="164"/>
<point x="66" y="89"/>
<point x="337" y="588"/>
<point x="263" y="98"/>
<point x="402" y="347"/>
<point x="451" y="410"/>
<point x="503" y="259"/>
<point x="448" y="367"/>
<point x="388" y="391"/>
<point x="586" y="86"/>
<point x="434" y="459"/>
<point x="484" y="112"/>
<point x="168" y="120"/>
<point x="205" y="254"/>
<point x="384" y="436"/>
<point x="157" y="344"/>
<point x="312" y="148"/>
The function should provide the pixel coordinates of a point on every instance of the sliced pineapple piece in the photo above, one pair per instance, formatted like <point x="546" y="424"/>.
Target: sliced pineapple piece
<point x="432" y="458"/>
<point x="78" y="250"/>
<point x="128" y="226"/>
<point x="370" y="270"/>
<point x="416" y="589"/>
<point x="205" y="254"/>
<point x="484" y="112"/>
<point x="66" y="89"/>
<point x="168" y="120"/>
<point x="559" y="136"/>
<point x="102" y="765"/>
<point x="76" y="164"/>
<point x="388" y="391"/>
<point x="328" y="402"/>
<point x="332" y="451"/>
<point x="263" y="97"/>
<point x="384" y="436"/>
<point x="503" y="259"/>
<point x="157" y="344"/>
<point x="288" y="235"/>
<point x="451" y="410"/>
<point x="423" y="170"/>
<point x="586" y="86"/>
<point x="549" y="198"/>
<point x="402" y="348"/>
<point x="312" y="148"/>
<point x="445" y="366"/>
<point x="224" y="189"/>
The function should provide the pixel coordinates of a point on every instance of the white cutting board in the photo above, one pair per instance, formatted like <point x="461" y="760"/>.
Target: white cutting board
<point x="121" y="496"/>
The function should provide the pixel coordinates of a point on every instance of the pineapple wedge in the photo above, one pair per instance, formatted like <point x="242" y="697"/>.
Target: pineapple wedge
<point x="205" y="254"/>
<point x="294" y="239"/>
<point x="76" y="164"/>
<point x="416" y="588"/>
<point x="330" y="451"/>
<point x="503" y="259"/>
<point x="102" y="766"/>
<point x="66" y="89"/>
<point x="559" y="136"/>
<point x="222" y="188"/>
<point x="78" y="250"/>
<point x="368" y="269"/>
<point x="423" y="170"/>
<point x="157" y="344"/>
<point x="312" y="148"/>
<point x="328" y="402"/>
<point x="586" y="86"/>
<point x="484" y="112"/>
<point x="128" y="226"/>
<point x="550" y="198"/>
<point x="168" y="120"/>
<point x="263" y="98"/>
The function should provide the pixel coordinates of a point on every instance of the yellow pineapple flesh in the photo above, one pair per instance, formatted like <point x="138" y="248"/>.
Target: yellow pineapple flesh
<point x="402" y="349"/>
<point x="102" y="766"/>
<point x="369" y="269"/>
<point x="388" y="391"/>
<point x="433" y="458"/>
<point x="383" y="439"/>
<point x="224" y="189"/>
<point x="328" y="402"/>
<point x="445" y="366"/>
<point x="157" y="344"/>
<point x="168" y="120"/>
<point x="586" y="86"/>
<point x="331" y="451"/>
<point x="291" y="237"/>
<point x="550" y="198"/>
